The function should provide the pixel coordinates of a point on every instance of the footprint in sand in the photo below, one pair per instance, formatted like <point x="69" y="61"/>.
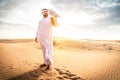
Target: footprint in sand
<point x="60" y="78"/>
<point x="2" y="67"/>
<point x="66" y="74"/>
<point x="37" y="65"/>
<point x="26" y="62"/>
<point x="10" y="67"/>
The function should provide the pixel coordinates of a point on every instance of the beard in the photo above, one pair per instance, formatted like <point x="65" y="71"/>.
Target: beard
<point x="45" y="15"/>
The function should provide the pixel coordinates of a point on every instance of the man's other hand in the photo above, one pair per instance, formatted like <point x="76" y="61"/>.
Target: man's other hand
<point x="36" y="40"/>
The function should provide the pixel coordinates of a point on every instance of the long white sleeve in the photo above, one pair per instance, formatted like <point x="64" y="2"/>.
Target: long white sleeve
<point x="37" y="30"/>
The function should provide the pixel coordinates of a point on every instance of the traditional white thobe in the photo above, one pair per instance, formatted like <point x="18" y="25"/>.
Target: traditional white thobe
<point x="44" y="37"/>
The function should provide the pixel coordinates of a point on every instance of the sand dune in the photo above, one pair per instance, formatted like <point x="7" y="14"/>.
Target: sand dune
<point x="73" y="60"/>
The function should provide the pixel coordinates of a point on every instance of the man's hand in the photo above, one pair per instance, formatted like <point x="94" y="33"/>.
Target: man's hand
<point x="53" y="21"/>
<point x="36" y="40"/>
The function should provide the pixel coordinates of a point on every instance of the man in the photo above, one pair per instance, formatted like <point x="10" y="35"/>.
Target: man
<point x="44" y="37"/>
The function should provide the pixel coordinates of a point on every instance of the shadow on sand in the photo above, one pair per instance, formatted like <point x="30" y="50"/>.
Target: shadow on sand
<point x="42" y="74"/>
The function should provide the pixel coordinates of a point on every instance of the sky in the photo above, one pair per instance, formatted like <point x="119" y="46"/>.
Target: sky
<point x="79" y="19"/>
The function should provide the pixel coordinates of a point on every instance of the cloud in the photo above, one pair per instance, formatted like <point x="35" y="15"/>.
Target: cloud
<point x="112" y="16"/>
<point x="84" y="4"/>
<point x="106" y="12"/>
<point x="9" y="4"/>
<point x="11" y="13"/>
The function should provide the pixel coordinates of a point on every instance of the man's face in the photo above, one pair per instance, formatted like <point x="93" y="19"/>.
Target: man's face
<point x="45" y="13"/>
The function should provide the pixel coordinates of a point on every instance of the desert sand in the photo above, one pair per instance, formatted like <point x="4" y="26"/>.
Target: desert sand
<point x="73" y="60"/>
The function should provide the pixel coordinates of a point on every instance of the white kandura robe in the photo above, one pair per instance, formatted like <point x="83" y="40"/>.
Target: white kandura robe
<point x="44" y="37"/>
